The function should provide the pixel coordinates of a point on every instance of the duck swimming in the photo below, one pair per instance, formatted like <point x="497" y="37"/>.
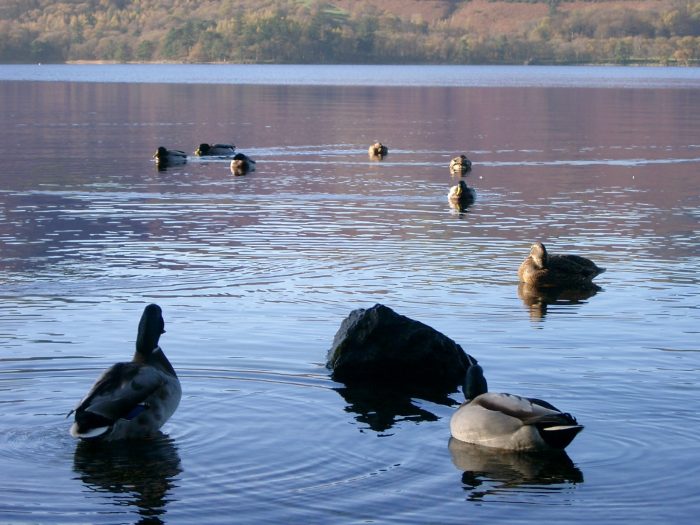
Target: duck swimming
<point x="460" y="165"/>
<point x="242" y="164"/>
<point x="565" y="271"/>
<point x="460" y="196"/>
<point x="169" y="157"/>
<point x="221" y="150"/>
<point x="507" y="421"/>
<point x="378" y="151"/>
<point x="132" y="399"/>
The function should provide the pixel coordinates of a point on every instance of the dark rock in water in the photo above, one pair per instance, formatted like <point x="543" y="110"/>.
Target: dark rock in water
<point x="377" y="345"/>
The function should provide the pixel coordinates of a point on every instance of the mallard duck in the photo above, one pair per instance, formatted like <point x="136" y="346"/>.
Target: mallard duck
<point x="220" y="150"/>
<point x="565" y="271"/>
<point x="132" y="399"/>
<point x="460" y="196"/>
<point x="378" y="151"/>
<point x="169" y="157"/>
<point x="507" y="421"/>
<point x="460" y="164"/>
<point x="242" y="164"/>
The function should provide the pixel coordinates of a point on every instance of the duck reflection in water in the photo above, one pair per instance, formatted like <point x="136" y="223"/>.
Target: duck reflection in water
<point x="382" y="406"/>
<point x="489" y="472"/>
<point x="538" y="299"/>
<point x="138" y="473"/>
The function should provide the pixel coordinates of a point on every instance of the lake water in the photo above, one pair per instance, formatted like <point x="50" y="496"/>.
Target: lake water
<point x="256" y="273"/>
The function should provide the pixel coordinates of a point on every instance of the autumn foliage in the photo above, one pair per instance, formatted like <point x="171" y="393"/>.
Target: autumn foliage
<point x="351" y="31"/>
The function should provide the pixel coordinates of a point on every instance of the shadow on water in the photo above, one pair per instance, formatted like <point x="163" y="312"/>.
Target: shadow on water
<point x="487" y="472"/>
<point x="136" y="473"/>
<point x="538" y="299"/>
<point x="382" y="406"/>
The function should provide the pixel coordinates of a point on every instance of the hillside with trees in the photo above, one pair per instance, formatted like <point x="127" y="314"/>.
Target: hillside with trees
<point x="352" y="31"/>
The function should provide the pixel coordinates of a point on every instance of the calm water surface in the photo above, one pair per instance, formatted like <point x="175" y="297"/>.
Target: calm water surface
<point x="256" y="273"/>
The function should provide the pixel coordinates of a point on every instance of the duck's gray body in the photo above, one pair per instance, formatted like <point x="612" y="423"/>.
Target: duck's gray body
<point x="242" y="164"/>
<point x="564" y="271"/>
<point x="132" y="399"/>
<point x="509" y="422"/>
<point x="461" y="164"/>
<point x="169" y="157"/>
<point x="216" y="150"/>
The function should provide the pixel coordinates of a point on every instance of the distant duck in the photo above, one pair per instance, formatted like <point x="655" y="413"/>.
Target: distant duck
<point x="461" y="164"/>
<point x="378" y="151"/>
<point x="132" y="399"/>
<point x="507" y="421"/>
<point x="169" y="157"/>
<point x="460" y="196"/>
<point x="564" y="271"/>
<point x="220" y="150"/>
<point x="242" y="164"/>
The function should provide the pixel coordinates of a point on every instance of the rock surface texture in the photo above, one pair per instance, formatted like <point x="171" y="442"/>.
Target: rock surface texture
<point x="380" y="346"/>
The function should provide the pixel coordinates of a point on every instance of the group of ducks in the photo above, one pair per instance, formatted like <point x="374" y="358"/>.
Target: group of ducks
<point x="241" y="164"/>
<point x="511" y="422"/>
<point x="460" y="196"/>
<point x="134" y="399"/>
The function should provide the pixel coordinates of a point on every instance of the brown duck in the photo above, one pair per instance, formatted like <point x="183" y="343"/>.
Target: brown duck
<point x="377" y="151"/>
<point x="564" y="271"/>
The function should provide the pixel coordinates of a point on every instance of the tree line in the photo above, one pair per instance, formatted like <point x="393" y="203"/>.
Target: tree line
<point x="310" y="31"/>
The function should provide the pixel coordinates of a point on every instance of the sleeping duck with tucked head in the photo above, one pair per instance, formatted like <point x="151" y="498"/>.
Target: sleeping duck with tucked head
<point x="507" y="421"/>
<point x="561" y="271"/>
<point x="132" y="399"/>
<point x="461" y="164"/>
<point x="169" y="157"/>
<point x="242" y="164"/>
<point x="210" y="150"/>
<point x="377" y="151"/>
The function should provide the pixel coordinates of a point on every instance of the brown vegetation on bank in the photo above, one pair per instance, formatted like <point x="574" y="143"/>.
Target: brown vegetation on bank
<point x="352" y="31"/>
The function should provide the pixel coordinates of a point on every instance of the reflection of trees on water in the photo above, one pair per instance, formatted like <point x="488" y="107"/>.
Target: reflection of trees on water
<point x="136" y="473"/>
<point x="382" y="406"/>
<point x="538" y="299"/>
<point x="487" y="472"/>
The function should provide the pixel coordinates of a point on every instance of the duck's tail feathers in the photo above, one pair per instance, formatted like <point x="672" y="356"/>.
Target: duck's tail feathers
<point x="90" y="433"/>
<point x="559" y="436"/>
<point x="89" y="425"/>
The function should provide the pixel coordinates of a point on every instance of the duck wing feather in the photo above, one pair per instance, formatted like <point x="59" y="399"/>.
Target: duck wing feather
<point x="118" y="394"/>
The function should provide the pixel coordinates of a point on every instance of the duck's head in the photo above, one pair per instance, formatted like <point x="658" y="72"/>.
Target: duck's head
<point x="151" y="326"/>
<point x="474" y="381"/>
<point x="160" y="153"/>
<point x="538" y="254"/>
<point x="203" y="149"/>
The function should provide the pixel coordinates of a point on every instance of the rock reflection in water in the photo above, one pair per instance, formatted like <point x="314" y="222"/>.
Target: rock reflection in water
<point x="138" y="473"/>
<point x="381" y="407"/>
<point x="488" y="471"/>
<point x="537" y="299"/>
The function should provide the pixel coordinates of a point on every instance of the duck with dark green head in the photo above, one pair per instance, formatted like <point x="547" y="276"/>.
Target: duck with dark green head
<point x="461" y="196"/>
<point x="507" y="421"/>
<point x="132" y="399"/>
<point x="169" y="157"/>
<point x="215" y="150"/>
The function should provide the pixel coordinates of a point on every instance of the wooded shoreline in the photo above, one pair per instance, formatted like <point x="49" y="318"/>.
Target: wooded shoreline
<point x="544" y="32"/>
